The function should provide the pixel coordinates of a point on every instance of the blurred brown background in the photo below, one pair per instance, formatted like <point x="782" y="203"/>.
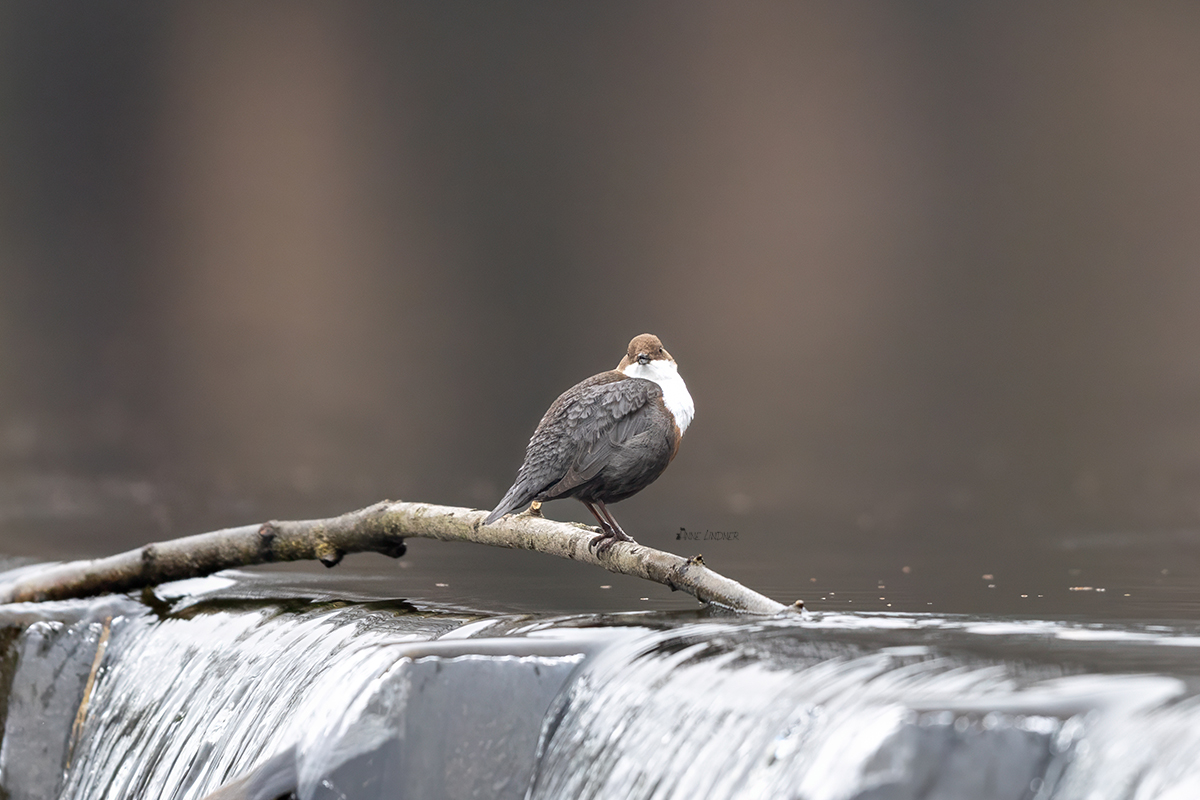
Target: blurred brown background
<point x="930" y="269"/>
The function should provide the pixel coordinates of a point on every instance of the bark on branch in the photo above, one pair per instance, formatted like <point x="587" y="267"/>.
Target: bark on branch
<point x="380" y="528"/>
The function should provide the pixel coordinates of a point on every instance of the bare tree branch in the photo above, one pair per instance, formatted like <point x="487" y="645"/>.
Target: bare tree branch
<point x="380" y="528"/>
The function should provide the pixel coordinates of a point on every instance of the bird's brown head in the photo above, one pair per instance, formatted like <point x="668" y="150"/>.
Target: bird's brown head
<point x="643" y="349"/>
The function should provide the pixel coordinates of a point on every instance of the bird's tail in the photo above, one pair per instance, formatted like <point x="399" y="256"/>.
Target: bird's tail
<point x="516" y="497"/>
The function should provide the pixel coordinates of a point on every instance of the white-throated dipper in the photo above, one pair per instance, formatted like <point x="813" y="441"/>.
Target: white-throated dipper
<point x="606" y="438"/>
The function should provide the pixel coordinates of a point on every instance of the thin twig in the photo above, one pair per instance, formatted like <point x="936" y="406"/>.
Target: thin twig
<point x="380" y="528"/>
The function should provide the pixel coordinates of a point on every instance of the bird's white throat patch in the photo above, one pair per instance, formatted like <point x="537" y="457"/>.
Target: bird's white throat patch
<point x="675" y="394"/>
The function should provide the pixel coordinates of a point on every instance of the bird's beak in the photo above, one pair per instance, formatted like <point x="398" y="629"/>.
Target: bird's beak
<point x="643" y="359"/>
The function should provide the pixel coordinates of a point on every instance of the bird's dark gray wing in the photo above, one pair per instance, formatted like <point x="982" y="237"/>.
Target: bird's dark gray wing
<point x="592" y="458"/>
<point x="572" y="436"/>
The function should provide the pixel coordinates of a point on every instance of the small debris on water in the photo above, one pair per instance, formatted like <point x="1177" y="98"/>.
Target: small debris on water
<point x="606" y="586"/>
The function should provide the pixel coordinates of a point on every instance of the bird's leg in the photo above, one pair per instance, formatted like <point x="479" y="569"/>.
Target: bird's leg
<point x="612" y="522"/>
<point x="608" y="534"/>
<point x="613" y="533"/>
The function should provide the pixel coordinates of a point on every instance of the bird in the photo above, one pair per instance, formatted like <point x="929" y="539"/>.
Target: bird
<point x="606" y="438"/>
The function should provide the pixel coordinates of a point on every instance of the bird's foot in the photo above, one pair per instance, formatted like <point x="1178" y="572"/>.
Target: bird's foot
<point x="601" y="543"/>
<point x="604" y="541"/>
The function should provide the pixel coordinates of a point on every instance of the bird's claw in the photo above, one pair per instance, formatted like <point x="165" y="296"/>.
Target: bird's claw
<point x="603" y="542"/>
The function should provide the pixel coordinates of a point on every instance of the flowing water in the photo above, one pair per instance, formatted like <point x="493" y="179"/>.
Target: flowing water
<point x="244" y="682"/>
